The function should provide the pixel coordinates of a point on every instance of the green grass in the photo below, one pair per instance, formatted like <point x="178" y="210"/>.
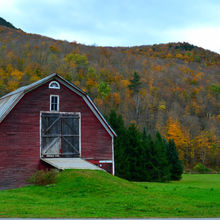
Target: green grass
<point x="86" y="193"/>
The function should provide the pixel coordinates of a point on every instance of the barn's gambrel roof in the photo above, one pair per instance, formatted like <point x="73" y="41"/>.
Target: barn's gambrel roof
<point x="8" y="101"/>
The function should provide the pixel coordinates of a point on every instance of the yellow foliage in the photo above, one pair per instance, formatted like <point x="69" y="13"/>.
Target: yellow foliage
<point x="125" y="83"/>
<point x="3" y="74"/>
<point x="77" y="83"/>
<point x="133" y="122"/>
<point x="17" y="75"/>
<point x="116" y="97"/>
<point x="83" y="89"/>
<point x="117" y="78"/>
<point x="158" y="68"/>
<point x="12" y="85"/>
<point x="218" y="117"/>
<point x="150" y="84"/>
<point x="162" y="107"/>
<point x="34" y="78"/>
<point x="204" y="143"/>
<point x="203" y="140"/>
<point x="98" y="102"/>
<point x="9" y="68"/>
<point x="91" y="83"/>
<point x="169" y="55"/>
<point x="179" y="135"/>
<point x="53" y="49"/>
<point x="143" y="92"/>
<point x="199" y="75"/>
<point x="197" y="107"/>
<point x="179" y="56"/>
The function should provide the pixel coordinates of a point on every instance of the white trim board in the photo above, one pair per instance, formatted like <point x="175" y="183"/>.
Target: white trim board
<point x="105" y="161"/>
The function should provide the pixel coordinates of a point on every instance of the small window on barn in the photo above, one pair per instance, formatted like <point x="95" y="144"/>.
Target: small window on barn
<point x="54" y="103"/>
<point x="54" y="85"/>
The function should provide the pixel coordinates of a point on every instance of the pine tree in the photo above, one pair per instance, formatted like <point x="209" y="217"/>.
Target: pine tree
<point x="176" y="165"/>
<point x="139" y="157"/>
<point x="162" y="163"/>
<point x="120" y="143"/>
<point x="135" y="83"/>
<point x="147" y="164"/>
<point x="134" y="152"/>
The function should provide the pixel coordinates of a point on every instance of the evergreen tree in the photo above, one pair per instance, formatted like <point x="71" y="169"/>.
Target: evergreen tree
<point x="135" y="83"/>
<point x="133" y="153"/>
<point x="176" y="165"/>
<point x="120" y="143"/>
<point x="147" y="161"/>
<point x="139" y="157"/>
<point x="161" y="160"/>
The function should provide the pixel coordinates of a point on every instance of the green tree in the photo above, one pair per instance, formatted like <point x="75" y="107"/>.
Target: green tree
<point x="147" y="161"/>
<point x="215" y="89"/>
<point x="120" y="143"/>
<point x="139" y="157"/>
<point x="160" y="159"/>
<point x="104" y="89"/>
<point x="176" y="168"/>
<point x="134" y="153"/>
<point x="77" y="63"/>
<point x="135" y="83"/>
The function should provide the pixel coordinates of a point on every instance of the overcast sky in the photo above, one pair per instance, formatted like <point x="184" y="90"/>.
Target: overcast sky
<point x="119" y="22"/>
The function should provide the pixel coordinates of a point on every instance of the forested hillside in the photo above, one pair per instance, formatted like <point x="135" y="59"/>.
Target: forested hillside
<point x="5" y="23"/>
<point x="173" y="88"/>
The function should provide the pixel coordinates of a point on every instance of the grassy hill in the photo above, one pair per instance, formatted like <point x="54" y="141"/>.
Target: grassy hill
<point x="86" y="193"/>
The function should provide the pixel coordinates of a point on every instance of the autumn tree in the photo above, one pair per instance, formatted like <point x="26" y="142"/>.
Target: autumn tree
<point x="77" y="63"/>
<point x="181" y="139"/>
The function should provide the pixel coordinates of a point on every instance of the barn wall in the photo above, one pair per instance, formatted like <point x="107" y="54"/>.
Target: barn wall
<point x="20" y="134"/>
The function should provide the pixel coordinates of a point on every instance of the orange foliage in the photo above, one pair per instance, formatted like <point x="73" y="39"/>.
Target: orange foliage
<point x="77" y="83"/>
<point x="98" y="102"/>
<point x="125" y="83"/>
<point x="179" y="135"/>
<point x="12" y="85"/>
<point x="91" y="83"/>
<point x="117" y="98"/>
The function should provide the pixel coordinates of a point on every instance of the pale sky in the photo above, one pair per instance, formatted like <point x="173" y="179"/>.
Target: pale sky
<point x="119" y="22"/>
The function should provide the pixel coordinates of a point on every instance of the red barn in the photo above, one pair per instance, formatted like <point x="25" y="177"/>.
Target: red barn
<point x="51" y="122"/>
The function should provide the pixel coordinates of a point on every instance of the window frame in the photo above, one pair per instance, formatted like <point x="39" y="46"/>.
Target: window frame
<point x="51" y="87"/>
<point x="58" y="103"/>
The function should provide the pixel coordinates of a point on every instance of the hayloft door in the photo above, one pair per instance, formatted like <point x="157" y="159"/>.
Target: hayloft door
<point x="59" y="135"/>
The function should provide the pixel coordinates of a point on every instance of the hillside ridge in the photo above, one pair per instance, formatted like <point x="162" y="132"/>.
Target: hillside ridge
<point x="179" y="87"/>
<point x="5" y="23"/>
<point x="180" y="46"/>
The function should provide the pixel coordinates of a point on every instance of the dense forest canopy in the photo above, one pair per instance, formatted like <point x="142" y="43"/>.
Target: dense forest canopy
<point x="5" y="23"/>
<point x="172" y="88"/>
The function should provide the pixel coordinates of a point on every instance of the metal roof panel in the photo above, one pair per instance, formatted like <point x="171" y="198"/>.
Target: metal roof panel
<point x="8" y="103"/>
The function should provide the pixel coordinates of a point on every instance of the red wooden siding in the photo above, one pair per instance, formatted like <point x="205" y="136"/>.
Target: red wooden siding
<point x="20" y="134"/>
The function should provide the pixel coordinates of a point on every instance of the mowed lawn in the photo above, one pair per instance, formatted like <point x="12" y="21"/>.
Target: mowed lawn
<point x="84" y="193"/>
